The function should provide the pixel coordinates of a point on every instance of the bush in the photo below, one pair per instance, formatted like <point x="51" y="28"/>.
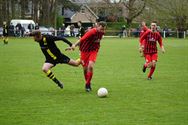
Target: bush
<point x="59" y="21"/>
<point x="118" y="25"/>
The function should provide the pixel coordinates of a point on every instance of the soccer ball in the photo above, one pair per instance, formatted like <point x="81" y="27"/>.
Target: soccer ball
<point x="102" y="92"/>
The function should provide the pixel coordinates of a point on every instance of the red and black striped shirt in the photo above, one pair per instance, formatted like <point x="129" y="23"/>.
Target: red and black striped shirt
<point x="150" y="41"/>
<point x="91" y="41"/>
<point x="144" y="29"/>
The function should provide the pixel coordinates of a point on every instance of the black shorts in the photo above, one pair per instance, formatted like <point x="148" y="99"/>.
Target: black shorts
<point x="60" y="59"/>
<point x="5" y="34"/>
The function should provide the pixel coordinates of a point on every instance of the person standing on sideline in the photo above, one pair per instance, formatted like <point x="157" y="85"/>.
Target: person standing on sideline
<point x="81" y="30"/>
<point x="53" y="54"/>
<point x="89" y="46"/>
<point x="36" y="26"/>
<point x="31" y="27"/>
<point x="5" y="33"/>
<point x="150" y="38"/>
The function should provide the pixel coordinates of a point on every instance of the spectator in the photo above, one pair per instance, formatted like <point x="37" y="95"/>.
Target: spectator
<point x="165" y="29"/>
<point x="81" y="30"/>
<point x="62" y="30"/>
<point x="22" y="31"/>
<point x="72" y="30"/>
<point x="11" y="30"/>
<point x="18" y="29"/>
<point x="36" y="26"/>
<point x="123" y="31"/>
<point x="30" y="27"/>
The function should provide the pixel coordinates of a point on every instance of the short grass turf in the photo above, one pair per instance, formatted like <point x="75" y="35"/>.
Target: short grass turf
<point x="28" y="97"/>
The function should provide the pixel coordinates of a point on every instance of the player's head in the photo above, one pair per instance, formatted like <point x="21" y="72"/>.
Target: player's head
<point x="101" y="26"/>
<point x="153" y="26"/>
<point x="79" y="23"/>
<point x="36" y="35"/>
<point x="143" y="26"/>
<point x="4" y="22"/>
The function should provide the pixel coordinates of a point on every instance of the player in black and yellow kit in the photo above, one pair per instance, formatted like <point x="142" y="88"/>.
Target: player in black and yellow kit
<point x="53" y="54"/>
<point x="5" y="33"/>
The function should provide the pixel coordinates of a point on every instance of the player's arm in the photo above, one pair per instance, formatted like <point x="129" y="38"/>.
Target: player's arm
<point x="161" y="44"/>
<point x="142" y="41"/>
<point x="85" y="37"/>
<point x="143" y="36"/>
<point x="63" y="39"/>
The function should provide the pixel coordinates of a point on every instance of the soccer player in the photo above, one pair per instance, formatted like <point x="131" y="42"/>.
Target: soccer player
<point x="52" y="54"/>
<point x="144" y="28"/>
<point x="150" y="38"/>
<point x="89" y="47"/>
<point x="5" y="33"/>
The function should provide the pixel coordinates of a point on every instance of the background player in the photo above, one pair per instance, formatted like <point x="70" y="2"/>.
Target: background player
<point x="5" y="33"/>
<point x="144" y="28"/>
<point x="150" y="38"/>
<point x="89" y="47"/>
<point x="52" y="54"/>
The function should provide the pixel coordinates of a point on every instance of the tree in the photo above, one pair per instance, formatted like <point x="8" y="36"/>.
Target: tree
<point x="134" y="8"/>
<point x="130" y="9"/>
<point x="174" y="12"/>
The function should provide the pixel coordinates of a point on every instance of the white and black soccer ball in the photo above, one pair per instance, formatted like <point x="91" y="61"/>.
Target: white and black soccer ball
<point x="102" y="92"/>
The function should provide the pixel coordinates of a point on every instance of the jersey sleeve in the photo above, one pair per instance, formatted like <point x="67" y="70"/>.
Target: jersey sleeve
<point x="56" y="38"/>
<point x="143" y="36"/>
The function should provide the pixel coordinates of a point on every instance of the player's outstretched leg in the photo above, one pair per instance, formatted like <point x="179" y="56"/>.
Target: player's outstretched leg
<point x="6" y="41"/>
<point x="52" y="76"/>
<point x="74" y="62"/>
<point x="46" y="69"/>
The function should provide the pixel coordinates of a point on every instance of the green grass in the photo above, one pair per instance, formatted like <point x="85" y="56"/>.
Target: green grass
<point x="28" y="97"/>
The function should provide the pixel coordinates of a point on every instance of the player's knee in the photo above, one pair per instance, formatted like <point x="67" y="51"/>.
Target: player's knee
<point x="153" y="64"/>
<point x="90" y="67"/>
<point x="45" y="70"/>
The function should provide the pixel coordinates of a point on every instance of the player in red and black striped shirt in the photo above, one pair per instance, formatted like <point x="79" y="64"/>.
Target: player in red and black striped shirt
<point x="89" y="47"/>
<point x="144" y="28"/>
<point x="149" y="41"/>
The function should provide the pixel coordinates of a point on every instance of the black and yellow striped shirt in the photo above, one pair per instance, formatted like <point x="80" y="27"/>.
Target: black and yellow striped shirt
<point x="49" y="48"/>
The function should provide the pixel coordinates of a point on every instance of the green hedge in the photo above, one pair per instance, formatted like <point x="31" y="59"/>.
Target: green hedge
<point x="118" y="25"/>
<point x="59" y="21"/>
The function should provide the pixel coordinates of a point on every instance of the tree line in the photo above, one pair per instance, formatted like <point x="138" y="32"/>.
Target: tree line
<point x="170" y="12"/>
<point x="43" y="11"/>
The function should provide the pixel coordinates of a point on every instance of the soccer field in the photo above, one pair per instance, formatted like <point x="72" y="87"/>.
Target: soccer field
<point x="28" y="97"/>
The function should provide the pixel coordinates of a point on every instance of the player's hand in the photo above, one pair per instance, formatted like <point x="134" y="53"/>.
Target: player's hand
<point x="73" y="47"/>
<point x="140" y="49"/>
<point x="141" y="54"/>
<point x="162" y="50"/>
<point x="68" y="49"/>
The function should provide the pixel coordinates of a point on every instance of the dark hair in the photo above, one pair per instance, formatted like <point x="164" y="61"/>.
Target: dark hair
<point x="102" y="23"/>
<point x="35" y="33"/>
<point x="154" y="21"/>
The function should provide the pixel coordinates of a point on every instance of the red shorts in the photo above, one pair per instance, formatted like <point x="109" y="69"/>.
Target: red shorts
<point x="151" y="57"/>
<point x="88" y="56"/>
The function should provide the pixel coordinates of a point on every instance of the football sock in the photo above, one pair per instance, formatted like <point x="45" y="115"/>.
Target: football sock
<point x="78" y="60"/>
<point x="146" y="65"/>
<point x="151" y="71"/>
<point x="6" y="40"/>
<point x="85" y="75"/>
<point x="52" y="76"/>
<point x="89" y="77"/>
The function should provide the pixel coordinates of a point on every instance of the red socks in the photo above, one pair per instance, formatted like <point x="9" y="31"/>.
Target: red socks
<point x="89" y="77"/>
<point x="151" y="72"/>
